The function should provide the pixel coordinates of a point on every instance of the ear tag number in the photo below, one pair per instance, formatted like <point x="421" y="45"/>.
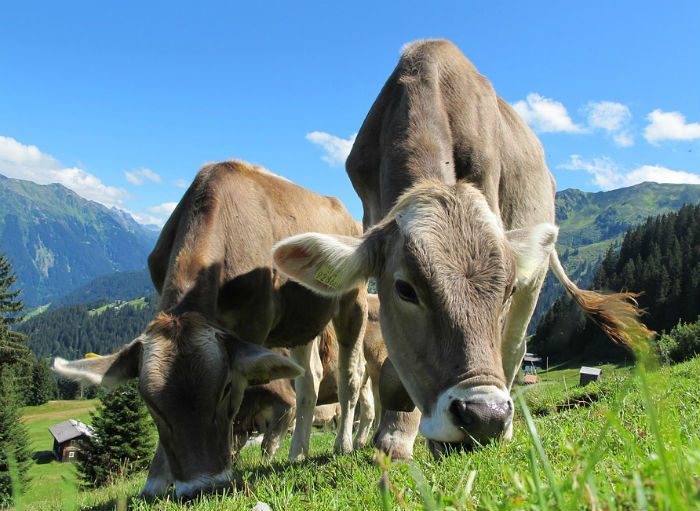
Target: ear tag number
<point x="326" y="275"/>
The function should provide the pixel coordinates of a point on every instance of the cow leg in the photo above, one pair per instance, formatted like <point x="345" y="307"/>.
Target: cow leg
<point x="396" y="433"/>
<point x="159" y="476"/>
<point x="378" y="410"/>
<point x="282" y="419"/>
<point x="306" y="387"/>
<point x="349" y="325"/>
<point x="515" y="328"/>
<point x="366" y="414"/>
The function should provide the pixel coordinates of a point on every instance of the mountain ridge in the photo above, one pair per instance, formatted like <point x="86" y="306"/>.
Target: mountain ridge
<point x="58" y="240"/>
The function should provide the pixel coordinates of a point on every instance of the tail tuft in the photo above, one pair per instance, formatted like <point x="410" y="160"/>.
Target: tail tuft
<point x="616" y="314"/>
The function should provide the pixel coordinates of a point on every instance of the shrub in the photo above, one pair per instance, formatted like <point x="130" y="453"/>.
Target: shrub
<point x="682" y="343"/>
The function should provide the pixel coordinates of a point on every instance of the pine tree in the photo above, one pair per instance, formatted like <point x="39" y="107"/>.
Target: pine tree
<point x="13" y="351"/>
<point x="15" y="455"/>
<point x="43" y="385"/>
<point x="124" y="434"/>
<point x="10" y="303"/>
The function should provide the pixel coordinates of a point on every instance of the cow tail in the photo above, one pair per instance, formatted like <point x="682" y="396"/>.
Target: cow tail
<point x="617" y="314"/>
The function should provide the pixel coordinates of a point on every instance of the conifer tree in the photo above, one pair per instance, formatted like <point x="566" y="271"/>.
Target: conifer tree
<point x="124" y="434"/>
<point x="15" y="455"/>
<point x="13" y="351"/>
<point x="43" y="385"/>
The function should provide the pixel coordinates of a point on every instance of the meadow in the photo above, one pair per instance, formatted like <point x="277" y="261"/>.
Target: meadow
<point x="629" y="442"/>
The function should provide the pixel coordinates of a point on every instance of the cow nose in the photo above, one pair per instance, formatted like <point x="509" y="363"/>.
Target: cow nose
<point x="482" y="420"/>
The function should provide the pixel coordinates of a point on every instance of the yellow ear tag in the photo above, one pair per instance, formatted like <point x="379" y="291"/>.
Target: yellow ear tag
<point x="92" y="355"/>
<point x="326" y="275"/>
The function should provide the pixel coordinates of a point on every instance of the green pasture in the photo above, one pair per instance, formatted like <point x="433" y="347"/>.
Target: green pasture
<point x="630" y="442"/>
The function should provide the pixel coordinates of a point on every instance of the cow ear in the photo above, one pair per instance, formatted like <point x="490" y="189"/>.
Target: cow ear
<point x="532" y="247"/>
<point x="109" y="371"/>
<point x="328" y="265"/>
<point x="260" y="365"/>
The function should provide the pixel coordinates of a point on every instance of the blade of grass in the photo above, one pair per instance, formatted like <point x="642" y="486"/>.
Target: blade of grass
<point x="650" y="409"/>
<point x="642" y="504"/>
<point x="532" y="429"/>
<point x="536" y="479"/>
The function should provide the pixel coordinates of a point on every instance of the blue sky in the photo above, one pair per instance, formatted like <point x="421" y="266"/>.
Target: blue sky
<point x="123" y="102"/>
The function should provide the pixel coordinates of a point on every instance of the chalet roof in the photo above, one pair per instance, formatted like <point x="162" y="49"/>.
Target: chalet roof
<point x="590" y="370"/>
<point x="70" y="429"/>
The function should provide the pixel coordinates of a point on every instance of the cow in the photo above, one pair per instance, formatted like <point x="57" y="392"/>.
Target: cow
<point x="220" y="301"/>
<point x="459" y="233"/>
<point x="270" y="408"/>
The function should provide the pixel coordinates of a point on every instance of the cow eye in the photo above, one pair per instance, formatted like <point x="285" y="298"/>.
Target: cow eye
<point x="406" y="291"/>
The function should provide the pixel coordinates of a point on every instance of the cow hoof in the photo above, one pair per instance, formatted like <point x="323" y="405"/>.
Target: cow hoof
<point x="342" y="447"/>
<point x="397" y="448"/>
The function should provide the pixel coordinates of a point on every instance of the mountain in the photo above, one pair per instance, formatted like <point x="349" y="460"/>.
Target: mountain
<point x="58" y="241"/>
<point x="590" y="222"/>
<point x="122" y="285"/>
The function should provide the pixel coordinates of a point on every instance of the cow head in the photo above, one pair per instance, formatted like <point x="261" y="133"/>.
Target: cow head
<point x="445" y="272"/>
<point x="192" y="377"/>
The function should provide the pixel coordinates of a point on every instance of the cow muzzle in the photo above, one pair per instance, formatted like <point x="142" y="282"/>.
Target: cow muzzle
<point x="469" y="415"/>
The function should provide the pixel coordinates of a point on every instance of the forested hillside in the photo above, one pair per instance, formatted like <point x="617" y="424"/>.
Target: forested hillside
<point x="590" y="222"/>
<point x="661" y="260"/>
<point x="123" y="285"/>
<point x="75" y="330"/>
<point x="58" y="241"/>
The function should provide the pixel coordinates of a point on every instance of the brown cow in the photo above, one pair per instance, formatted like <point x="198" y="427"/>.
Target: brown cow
<point x="270" y="408"/>
<point x="212" y="269"/>
<point x="458" y="211"/>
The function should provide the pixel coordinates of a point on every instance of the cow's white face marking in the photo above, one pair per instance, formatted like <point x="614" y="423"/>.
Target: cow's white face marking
<point x="439" y="424"/>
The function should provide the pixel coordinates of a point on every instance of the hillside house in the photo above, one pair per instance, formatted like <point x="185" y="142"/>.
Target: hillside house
<point x="588" y="374"/>
<point x="69" y="437"/>
<point x="531" y="363"/>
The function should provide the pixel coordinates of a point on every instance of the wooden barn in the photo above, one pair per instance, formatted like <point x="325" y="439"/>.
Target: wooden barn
<point x="68" y="438"/>
<point x="531" y="363"/>
<point x="588" y="374"/>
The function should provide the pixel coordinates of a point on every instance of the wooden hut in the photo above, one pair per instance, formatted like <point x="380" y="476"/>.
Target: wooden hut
<point x="588" y="374"/>
<point x="68" y="438"/>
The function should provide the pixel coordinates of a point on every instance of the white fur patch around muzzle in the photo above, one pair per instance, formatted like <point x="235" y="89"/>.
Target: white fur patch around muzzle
<point x="440" y="426"/>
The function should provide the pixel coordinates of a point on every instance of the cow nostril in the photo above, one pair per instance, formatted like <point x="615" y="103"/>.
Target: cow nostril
<point x="462" y="413"/>
<point x="482" y="420"/>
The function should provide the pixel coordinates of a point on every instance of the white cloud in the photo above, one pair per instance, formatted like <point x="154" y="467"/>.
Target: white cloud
<point x="545" y="115"/>
<point x="608" y="115"/>
<point x="669" y="126"/>
<point x="609" y="175"/>
<point x="613" y="118"/>
<point x="181" y="183"/>
<point x="139" y="177"/>
<point x="156" y="215"/>
<point x="337" y="149"/>
<point x="623" y="139"/>
<point x="22" y="161"/>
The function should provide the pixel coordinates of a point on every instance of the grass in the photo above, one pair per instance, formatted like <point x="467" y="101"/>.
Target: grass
<point x="635" y="446"/>
<point x="138" y="303"/>
<point x="52" y="482"/>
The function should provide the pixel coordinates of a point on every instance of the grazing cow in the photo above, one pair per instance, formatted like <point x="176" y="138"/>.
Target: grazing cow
<point x="270" y="408"/>
<point x="213" y="271"/>
<point x="458" y="211"/>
